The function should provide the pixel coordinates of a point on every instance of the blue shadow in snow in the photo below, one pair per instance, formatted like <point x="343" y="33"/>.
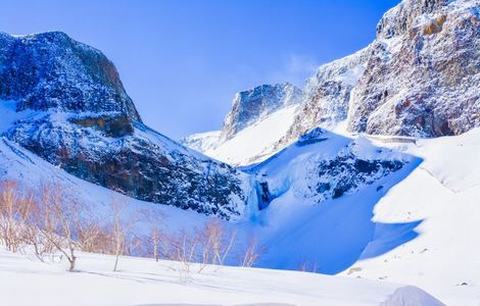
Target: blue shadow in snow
<point x="331" y="237"/>
<point x="388" y="236"/>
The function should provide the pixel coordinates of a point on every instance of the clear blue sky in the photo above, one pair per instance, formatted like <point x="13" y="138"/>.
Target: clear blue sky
<point x="182" y="61"/>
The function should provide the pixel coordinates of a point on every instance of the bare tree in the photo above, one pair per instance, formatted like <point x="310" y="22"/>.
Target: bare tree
<point x="30" y="214"/>
<point x="155" y="239"/>
<point x="120" y="228"/>
<point x="59" y="218"/>
<point x="219" y="241"/>
<point x="251" y="254"/>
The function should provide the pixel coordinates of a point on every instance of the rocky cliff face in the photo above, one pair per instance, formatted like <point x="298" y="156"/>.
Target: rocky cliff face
<point x="423" y="73"/>
<point x="72" y="110"/>
<point x="50" y="71"/>
<point x="321" y="166"/>
<point x="420" y="77"/>
<point x="251" y="105"/>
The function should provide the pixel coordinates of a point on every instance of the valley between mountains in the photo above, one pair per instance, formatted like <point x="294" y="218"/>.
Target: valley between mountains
<point x="366" y="180"/>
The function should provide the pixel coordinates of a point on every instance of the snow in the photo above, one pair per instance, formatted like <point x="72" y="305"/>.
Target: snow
<point x="9" y="115"/>
<point x="26" y="281"/>
<point x="422" y="231"/>
<point x="202" y="141"/>
<point x="413" y="232"/>
<point x="256" y="141"/>
<point x="443" y="192"/>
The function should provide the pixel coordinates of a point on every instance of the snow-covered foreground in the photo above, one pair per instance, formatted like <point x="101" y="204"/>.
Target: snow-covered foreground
<point x="421" y="231"/>
<point x="25" y="281"/>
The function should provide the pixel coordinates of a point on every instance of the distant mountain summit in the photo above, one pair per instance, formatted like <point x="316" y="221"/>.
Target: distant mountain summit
<point x="251" y="105"/>
<point x="64" y="101"/>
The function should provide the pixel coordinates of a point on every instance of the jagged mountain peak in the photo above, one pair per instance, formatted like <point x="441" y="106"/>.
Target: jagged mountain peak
<point x="251" y="105"/>
<point x="401" y="18"/>
<point x="423" y="81"/>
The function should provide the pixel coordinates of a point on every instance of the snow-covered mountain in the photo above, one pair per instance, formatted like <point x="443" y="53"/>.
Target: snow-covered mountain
<point x="257" y="141"/>
<point x="411" y="217"/>
<point x="250" y="108"/>
<point x="65" y="102"/>
<point x="419" y="77"/>
<point x="422" y="73"/>
<point x="408" y="223"/>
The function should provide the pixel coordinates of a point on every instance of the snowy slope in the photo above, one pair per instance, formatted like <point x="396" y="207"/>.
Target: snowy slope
<point x="202" y="142"/>
<point x="146" y="282"/>
<point x="257" y="141"/>
<point x="420" y="229"/>
<point x="443" y="192"/>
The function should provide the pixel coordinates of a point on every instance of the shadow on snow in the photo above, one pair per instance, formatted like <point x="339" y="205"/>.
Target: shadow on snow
<point x="330" y="237"/>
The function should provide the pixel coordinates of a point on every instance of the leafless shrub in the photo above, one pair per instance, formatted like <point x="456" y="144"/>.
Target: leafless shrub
<point x="208" y="245"/>
<point x="307" y="266"/>
<point x="251" y="253"/>
<point x="9" y="210"/>
<point x="49" y="220"/>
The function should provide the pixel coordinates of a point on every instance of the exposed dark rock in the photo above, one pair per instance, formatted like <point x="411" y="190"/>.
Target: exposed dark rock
<point x="118" y="126"/>
<point x="347" y="172"/>
<point x="52" y="71"/>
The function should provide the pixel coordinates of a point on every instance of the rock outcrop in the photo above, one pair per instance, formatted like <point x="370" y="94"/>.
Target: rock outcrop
<point x="73" y="111"/>
<point x="423" y="73"/>
<point x="327" y="95"/>
<point x="322" y="166"/>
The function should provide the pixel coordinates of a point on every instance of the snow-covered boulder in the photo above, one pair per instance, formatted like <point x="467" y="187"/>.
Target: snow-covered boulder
<point x="411" y="296"/>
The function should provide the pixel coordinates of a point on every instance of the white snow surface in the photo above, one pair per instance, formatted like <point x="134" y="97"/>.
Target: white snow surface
<point x="423" y="231"/>
<point x="202" y="142"/>
<point x="25" y="281"/>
